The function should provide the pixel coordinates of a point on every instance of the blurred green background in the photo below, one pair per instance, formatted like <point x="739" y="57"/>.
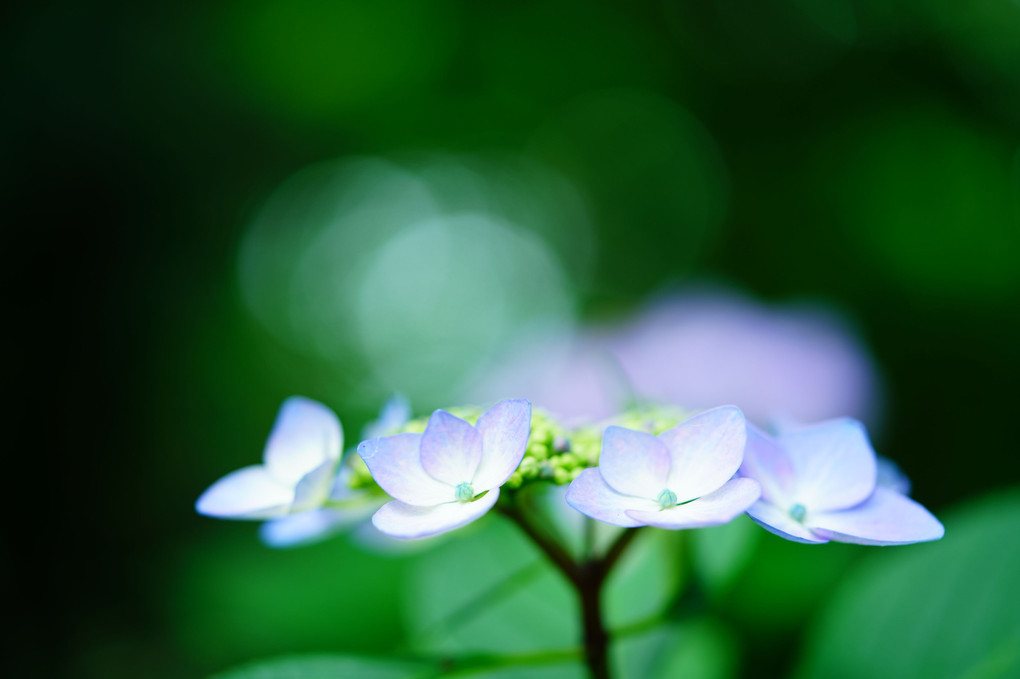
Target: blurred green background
<point x="212" y="206"/>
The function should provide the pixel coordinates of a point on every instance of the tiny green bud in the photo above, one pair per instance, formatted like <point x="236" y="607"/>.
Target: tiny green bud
<point x="568" y="460"/>
<point x="798" y="512"/>
<point x="515" y="480"/>
<point x="528" y="467"/>
<point x="667" y="498"/>
<point x="561" y="476"/>
<point x="539" y="451"/>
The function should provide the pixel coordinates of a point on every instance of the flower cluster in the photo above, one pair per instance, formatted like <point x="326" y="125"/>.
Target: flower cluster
<point x="658" y="468"/>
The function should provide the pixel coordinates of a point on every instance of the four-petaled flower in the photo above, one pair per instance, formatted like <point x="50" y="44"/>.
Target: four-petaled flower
<point x="298" y="470"/>
<point x="819" y="484"/>
<point x="682" y="478"/>
<point x="450" y="475"/>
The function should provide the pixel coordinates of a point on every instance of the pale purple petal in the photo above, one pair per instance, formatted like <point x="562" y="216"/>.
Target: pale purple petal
<point x="768" y="464"/>
<point x="718" y="507"/>
<point x="891" y="476"/>
<point x="504" y="429"/>
<point x="778" y="521"/>
<point x="248" y="493"/>
<point x="450" y="449"/>
<point x="395" y="463"/>
<point x="834" y="464"/>
<point x="633" y="462"/>
<point x="314" y="487"/>
<point x="592" y="496"/>
<point x="407" y="522"/>
<point x="705" y="451"/>
<point x="305" y="434"/>
<point x="886" y="518"/>
<point x="316" y="524"/>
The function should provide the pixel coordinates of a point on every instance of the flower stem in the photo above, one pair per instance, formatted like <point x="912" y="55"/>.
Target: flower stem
<point x="587" y="579"/>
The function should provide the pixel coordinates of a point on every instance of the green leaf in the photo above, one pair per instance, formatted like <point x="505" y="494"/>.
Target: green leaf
<point x="490" y="590"/>
<point x="698" y="648"/>
<point x="645" y="580"/>
<point x="721" y="553"/>
<point x="234" y="599"/>
<point x="332" y="667"/>
<point x="941" y="609"/>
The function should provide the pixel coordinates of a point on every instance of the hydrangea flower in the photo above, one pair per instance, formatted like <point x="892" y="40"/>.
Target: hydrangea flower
<point x="820" y="483"/>
<point x="449" y="475"/>
<point x="297" y="473"/>
<point x="682" y="478"/>
<point x="345" y="506"/>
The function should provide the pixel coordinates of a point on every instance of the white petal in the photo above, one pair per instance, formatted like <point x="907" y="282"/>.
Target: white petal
<point x="305" y="435"/>
<point x="450" y="449"/>
<point x="307" y="527"/>
<point x="834" y="464"/>
<point x="718" y="507"/>
<point x="766" y="462"/>
<point x="314" y="487"/>
<point x="504" y="429"/>
<point x="705" y="451"/>
<point x="778" y="521"/>
<point x="592" y="496"/>
<point x="886" y="518"/>
<point x="248" y="493"/>
<point x="400" y="520"/>
<point x="395" y="463"/>
<point x="633" y="462"/>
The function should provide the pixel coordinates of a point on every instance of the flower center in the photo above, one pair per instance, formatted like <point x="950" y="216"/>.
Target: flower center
<point x="798" y="512"/>
<point x="667" y="498"/>
<point x="464" y="492"/>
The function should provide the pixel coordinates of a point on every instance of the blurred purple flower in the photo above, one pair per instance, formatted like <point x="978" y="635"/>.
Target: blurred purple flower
<point x="698" y="350"/>
<point x="819" y="483"/>
<point x="682" y="478"/>
<point x="451" y="474"/>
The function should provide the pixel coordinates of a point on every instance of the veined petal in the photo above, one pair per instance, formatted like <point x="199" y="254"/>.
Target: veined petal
<point x="407" y="522"/>
<point x="633" y="462"/>
<point x="305" y="434"/>
<point x="314" y="487"/>
<point x="395" y="463"/>
<point x="450" y="449"/>
<point x="833" y="462"/>
<point x="778" y="521"/>
<point x="592" y="496"/>
<point x="886" y="518"/>
<point x="705" y="451"/>
<point x="766" y="462"/>
<point x="504" y="429"/>
<point x="316" y="524"/>
<point x="718" y="507"/>
<point x="248" y="493"/>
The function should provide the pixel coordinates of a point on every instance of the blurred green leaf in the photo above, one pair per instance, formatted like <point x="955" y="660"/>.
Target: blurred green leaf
<point x="942" y="609"/>
<point x="785" y="584"/>
<point x="645" y="580"/>
<point x="721" y="553"/>
<point x="490" y="590"/>
<point x="331" y="667"/>
<point x="700" y="649"/>
<point x="235" y="599"/>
